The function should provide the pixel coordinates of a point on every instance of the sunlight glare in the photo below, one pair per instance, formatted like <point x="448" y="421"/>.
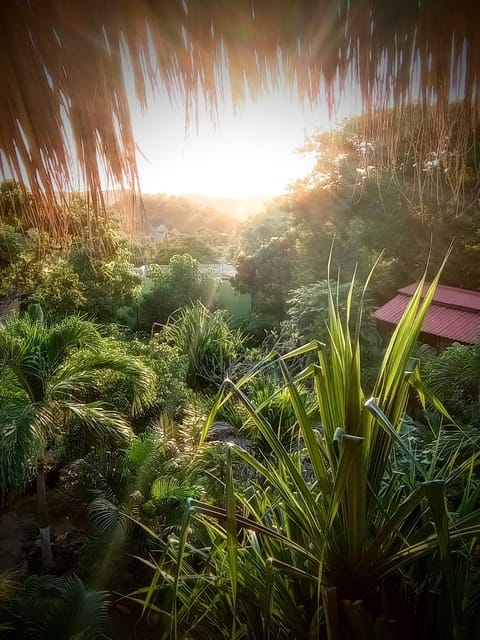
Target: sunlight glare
<point x="250" y="153"/>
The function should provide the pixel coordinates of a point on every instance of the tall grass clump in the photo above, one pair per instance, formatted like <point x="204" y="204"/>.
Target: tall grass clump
<point x="207" y="340"/>
<point x="334" y="538"/>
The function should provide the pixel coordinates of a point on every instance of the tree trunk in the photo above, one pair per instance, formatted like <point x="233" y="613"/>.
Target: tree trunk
<point x="47" y="557"/>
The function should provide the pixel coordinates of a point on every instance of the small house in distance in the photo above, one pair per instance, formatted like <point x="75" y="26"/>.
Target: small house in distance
<point x="453" y="316"/>
<point x="221" y="270"/>
<point x="159" y="233"/>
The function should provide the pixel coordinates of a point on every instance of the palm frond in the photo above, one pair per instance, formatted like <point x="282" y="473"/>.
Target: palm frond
<point x="19" y="443"/>
<point x="8" y="584"/>
<point x="168" y="487"/>
<point x="103" y="422"/>
<point x="67" y="335"/>
<point x="108" y="520"/>
<point x="80" y="373"/>
<point x="102" y="473"/>
<point x="77" y="612"/>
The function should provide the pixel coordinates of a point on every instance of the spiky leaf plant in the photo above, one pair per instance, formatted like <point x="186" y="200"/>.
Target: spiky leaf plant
<point x="356" y="548"/>
<point x="207" y="340"/>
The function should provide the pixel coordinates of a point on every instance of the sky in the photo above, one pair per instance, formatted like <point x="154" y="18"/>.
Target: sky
<point x="249" y="153"/>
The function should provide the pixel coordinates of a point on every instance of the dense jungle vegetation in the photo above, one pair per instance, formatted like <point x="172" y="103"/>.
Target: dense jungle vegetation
<point x="166" y="472"/>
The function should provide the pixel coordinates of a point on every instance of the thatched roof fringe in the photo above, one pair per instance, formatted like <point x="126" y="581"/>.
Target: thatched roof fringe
<point x="63" y="96"/>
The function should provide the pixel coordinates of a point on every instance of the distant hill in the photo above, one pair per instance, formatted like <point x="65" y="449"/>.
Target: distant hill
<point x="235" y="207"/>
<point x="179" y="214"/>
<point x="238" y="207"/>
<point x="192" y="213"/>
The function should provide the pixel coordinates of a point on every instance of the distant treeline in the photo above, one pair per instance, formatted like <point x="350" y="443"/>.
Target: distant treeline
<point x="178" y="213"/>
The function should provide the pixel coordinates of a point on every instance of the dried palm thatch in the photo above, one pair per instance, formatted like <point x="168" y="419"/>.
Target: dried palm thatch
<point x="63" y="92"/>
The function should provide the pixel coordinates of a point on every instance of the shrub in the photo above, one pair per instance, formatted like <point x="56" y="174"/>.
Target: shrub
<point x="208" y="342"/>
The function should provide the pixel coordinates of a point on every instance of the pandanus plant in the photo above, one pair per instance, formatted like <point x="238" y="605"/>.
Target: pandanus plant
<point x="356" y="548"/>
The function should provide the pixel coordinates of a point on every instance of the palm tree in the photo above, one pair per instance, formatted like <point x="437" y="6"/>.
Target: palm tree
<point x="65" y="61"/>
<point x="48" y="372"/>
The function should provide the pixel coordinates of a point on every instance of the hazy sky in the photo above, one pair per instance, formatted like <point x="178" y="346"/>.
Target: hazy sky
<point x="249" y="153"/>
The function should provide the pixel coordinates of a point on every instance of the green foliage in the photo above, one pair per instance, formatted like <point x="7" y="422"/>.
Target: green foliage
<point x="261" y="228"/>
<point x="13" y="201"/>
<point x="101" y="473"/>
<point x="61" y="291"/>
<point x="175" y="286"/>
<point x="231" y="413"/>
<point x="200" y="249"/>
<point x="332" y="541"/>
<point x="168" y="390"/>
<point x="308" y="309"/>
<point x="392" y="219"/>
<point x="29" y="257"/>
<point x="147" y="482"/>
<point x="207" y="340"/>
<point x="49" y="608"/>
<point x="178" y="213"/>
<point x="8" y="587"/>
<point x="267" y="274"/>
<point x="371" y="211"/>
<point x="11" y="244"/>
<point x="272" y="401"/>
<point x="170" y="366"/>
<point x="92" y="274"/>
<point x="22" y="260"/>
<point x="307" y="317"/>
<point x="454" y="374"/>
<point x="110" y="282"/>
<point x="95" y="285"/>
<point x="260" y="327"/>
<point x="48" y="371"/>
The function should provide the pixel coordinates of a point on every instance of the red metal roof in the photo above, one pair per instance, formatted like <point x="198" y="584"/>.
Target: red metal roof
<point x="450" y="296"/>
<point x="454" y="313"/>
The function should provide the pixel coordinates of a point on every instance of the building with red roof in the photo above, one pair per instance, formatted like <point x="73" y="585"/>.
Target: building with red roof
<point x="453" y="316"/>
